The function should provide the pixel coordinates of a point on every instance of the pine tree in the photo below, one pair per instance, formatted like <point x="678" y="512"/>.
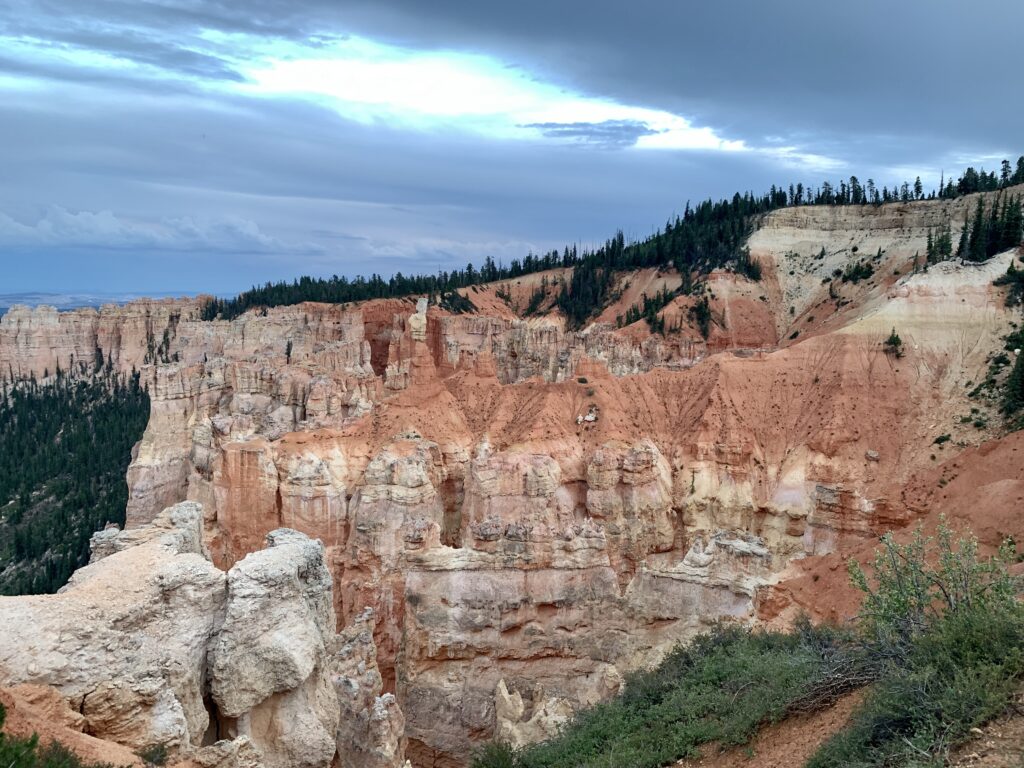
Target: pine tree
<point x="1013" y="399"/>
<point x="894" y="344"/>
<point x="978" y="240"/>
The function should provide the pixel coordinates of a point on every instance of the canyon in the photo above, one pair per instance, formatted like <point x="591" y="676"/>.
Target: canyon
<point x="403" y="531"/>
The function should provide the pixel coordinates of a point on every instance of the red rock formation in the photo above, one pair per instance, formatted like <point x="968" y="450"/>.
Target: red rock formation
<point x="529" y="512"/>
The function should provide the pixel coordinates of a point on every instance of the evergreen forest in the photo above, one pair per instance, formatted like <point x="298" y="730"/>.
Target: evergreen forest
<point x="707" y="236"/>
<point x="66" y="444"/>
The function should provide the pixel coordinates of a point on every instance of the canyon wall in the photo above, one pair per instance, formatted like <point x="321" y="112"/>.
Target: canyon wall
<point x="515" y="515"/>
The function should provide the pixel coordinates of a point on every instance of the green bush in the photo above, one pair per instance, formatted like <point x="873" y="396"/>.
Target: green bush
<point x="155" y="754"/>
<point x="494" y="755"/>
<point x="894" y="344"/>
<point x="945" y="631"/>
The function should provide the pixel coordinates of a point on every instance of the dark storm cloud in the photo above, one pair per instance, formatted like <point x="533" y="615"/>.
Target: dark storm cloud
<point x="143" y="49"/>
<point x="120" y="82"/>
<point x="915" y="69"/>
<point x="147" y="177"/>
<point x="846" y="72"/>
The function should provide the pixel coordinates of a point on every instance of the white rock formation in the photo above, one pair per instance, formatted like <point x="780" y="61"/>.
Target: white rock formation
<point x="371" y="729"/>
<point x="154" y="645"/>
<point x="418" y="321"/>
<point x="126" y="640"/>
<point x="267" y="663"/>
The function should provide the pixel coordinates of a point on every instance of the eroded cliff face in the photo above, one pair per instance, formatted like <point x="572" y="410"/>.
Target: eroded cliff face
<point x="152" y="644"/>
<point x="515" y="515"/>
<point x="41" y="340"/>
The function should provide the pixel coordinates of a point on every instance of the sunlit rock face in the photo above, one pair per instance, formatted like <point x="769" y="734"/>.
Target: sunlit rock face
<point x="515" y="515"/>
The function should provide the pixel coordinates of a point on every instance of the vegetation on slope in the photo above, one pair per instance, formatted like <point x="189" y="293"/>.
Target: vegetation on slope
<point x="1013" y="394"/>
<point x="719" y="688"/>
<point x="66" y="447"/>
<point x="1014" y="279"/>
<point x="26" y="753"/>
<point x="1006" y="390"/>
<point x="707" y="236"/>
<point x="986" y="233"/>
<point x="940" y="640"/>
<point x="945" y="633"/>
<point x="648" y="309"/>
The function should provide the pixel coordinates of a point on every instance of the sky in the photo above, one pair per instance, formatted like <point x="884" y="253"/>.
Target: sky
<point x="185" y="146"/>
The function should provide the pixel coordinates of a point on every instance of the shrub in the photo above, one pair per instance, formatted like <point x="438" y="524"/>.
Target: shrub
<point x="155" y="754"/>
<point x="1013" y="397"/>
<point x="745" y="265"/>
<point x="945" y="632"/>
<point x="456" y="303"/>
<point x="854" y="273"/>
<point x="700" y="313"/>
<point x="494" y="755"/>
<point x="894" y="345"/>
<point x="1014" y="279"/>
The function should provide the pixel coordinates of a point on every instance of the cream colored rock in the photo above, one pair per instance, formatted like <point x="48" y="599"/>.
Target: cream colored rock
<point x="371" y="728"/>
<point x="517" y="727"/>
<point x="418" y="321"/>
<point x="126" y="640"/>
<point x="150" y="640"/>
<point x="268" y="664"/>
<point x="233" y="753"/>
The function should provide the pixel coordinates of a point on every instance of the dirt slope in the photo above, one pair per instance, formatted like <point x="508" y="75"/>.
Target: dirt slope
<point x="788" y="744"/>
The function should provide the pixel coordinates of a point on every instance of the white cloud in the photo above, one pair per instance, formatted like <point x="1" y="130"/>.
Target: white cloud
<point x="794" y="157"/>
<point x="368" y="81"/>
<point x="424" y="90"/>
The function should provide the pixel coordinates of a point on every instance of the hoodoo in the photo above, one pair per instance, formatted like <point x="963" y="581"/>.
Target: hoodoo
<point x="394" y="530"/>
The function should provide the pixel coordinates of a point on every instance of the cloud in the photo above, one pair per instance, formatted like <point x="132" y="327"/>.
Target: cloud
<point x="369" y="81"/>
<point x="210" y="144"/>
<point x="104" y="230"/>
<point x="362" y="79"/>
<point x="613" y="134"/>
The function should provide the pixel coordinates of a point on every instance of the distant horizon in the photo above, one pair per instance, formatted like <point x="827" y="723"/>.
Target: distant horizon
<point x="86" y="298"/>
<point x="81" y="297"/>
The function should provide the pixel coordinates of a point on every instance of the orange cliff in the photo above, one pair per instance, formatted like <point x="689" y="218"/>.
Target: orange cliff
<point x="515" y="514"/>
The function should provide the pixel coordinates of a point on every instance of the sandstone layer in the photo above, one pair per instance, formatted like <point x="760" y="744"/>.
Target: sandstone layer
<point x="515" y="515"/>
